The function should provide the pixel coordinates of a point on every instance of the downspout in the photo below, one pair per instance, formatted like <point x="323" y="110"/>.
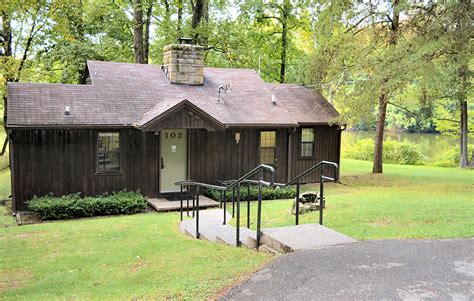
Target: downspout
<point x="11" y="137"/>
<point x="341" y="128"/>
<point x="290" y="154"/>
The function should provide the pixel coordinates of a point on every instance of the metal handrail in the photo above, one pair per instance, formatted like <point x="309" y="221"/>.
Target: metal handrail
<point x="236" y="184"/>
<point x="322" y="178"/>
<point x="233" y="184"/>
<point x="308" y="171"/>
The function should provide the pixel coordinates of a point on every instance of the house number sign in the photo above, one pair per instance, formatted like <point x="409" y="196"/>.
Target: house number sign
<point x="173" y="135"/>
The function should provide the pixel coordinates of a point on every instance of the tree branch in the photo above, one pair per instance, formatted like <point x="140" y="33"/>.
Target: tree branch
<point x="447" y="119"/>
<point x="405" y="109"/>
<point x="358" y="22"/>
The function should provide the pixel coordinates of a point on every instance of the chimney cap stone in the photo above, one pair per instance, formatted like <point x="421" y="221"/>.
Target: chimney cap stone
<point x="183" y="47"/>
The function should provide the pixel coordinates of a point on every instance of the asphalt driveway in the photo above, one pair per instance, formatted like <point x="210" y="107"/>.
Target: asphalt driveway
<point x="370" y="270"/>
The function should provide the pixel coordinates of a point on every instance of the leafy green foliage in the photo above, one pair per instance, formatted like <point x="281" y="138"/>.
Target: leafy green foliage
<point x="267" y="193"/>
<point x="73" y="206"/>
<point x="450" y="158"/>
<point x="393" y="152"/>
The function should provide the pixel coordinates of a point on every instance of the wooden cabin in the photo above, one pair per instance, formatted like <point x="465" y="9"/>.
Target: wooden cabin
<point x="144" y="127"/>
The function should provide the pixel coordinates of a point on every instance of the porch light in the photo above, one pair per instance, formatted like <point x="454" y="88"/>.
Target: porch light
<point x="237" y="137"/>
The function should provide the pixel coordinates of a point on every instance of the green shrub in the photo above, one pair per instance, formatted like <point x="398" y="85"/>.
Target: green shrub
<point x="362" y="149"/>
<point x="73" y="206"/>
<point x="401" y="153"/>
<point x="450" y="158"/>
<point x="393" y="152"/>
<point x="267" y="193"/>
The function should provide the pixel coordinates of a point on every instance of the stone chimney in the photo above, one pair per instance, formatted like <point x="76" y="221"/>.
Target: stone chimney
<point x="184" y="64"/>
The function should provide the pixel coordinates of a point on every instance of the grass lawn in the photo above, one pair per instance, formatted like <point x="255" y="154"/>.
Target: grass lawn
<point x="404" y="202"/>
<point x="145" y="256"/>
<point x="139" y="256"/>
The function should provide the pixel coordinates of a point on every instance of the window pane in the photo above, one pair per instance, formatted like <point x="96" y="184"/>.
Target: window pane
<point x="267" y="155"/>
<point x="307" y="149"/>
<point x="307" y="135"/>
<point x="108" y="155"/>
<point x="109" y="162"/>
<point x="267" y="139"/>
<point x="109" y="142"/>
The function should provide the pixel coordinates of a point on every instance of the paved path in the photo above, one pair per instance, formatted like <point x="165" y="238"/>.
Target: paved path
<point x="371" y="270"/>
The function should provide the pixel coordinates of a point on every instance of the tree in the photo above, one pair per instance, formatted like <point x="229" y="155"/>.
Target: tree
<point x="138" y="32"/>
<point x="200" y="18"/>
<point x="277" y="18"/>
<point x="387" y="58"/>
<point x="383" y="94"/>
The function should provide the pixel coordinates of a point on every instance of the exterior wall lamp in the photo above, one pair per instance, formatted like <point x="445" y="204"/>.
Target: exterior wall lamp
<point x="237" y="137"/>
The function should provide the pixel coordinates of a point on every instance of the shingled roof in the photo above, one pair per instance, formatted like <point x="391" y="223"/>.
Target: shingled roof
<point x="123" y="94"/>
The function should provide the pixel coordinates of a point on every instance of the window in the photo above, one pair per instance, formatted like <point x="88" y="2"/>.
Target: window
<point x="267" y="147"/>
<point x="307" y="142"/>
<point x="108" y="154"/>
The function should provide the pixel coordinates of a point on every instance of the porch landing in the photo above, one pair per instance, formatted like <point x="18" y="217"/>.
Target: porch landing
<point x="164" y="204"/>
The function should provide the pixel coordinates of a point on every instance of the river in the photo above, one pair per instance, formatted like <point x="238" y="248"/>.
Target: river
<point x="430" y="145"/>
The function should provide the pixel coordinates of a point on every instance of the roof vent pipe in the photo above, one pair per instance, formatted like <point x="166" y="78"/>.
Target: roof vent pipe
<point x="220" y="89"/>
<point x="274" y="102"/>
<point x="67" y="112"/>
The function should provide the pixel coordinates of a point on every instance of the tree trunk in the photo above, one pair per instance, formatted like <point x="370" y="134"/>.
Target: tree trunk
<point x="6" y="54"/>
<point x="180" y="18"/>
<point x="138" y="32"/>
<point x="284" y="39"/>
<point x="463" y="160"/>
<point x="6" y="35"/>
<point x="199" y="14"/>
<point x="146" y="42"/>
<point x="383" y="98"/>
<point x="379" y="134"/>
<point x="463" y="73"/>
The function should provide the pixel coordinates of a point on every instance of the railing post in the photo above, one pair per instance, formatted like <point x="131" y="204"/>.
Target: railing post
<point x="187" y="200"/>
<point x="237" y="233"/>
<point x="194" y="202"/>
<point x="321" y="197"/>
<point x="220" y="203"/>
<point x="181" y="203"/>
<point x="248" y="205"/>
<point x="297" y="204"/>
<point x="233" y="202"/>
<point x="225" y="206"/>
<point x="197" y="211"/>
<point x="259" y="213"/>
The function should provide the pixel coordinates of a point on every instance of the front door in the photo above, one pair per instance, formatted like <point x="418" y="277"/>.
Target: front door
<point x="173" y="161"/>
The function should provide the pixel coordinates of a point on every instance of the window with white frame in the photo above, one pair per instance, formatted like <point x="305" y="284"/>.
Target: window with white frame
<point x="307" y="143"/>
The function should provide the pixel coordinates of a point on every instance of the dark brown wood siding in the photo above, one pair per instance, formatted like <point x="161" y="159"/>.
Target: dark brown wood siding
<point x="326" y="147"/>
<point x="216" y="156"/>
<point x="64" y="161"/>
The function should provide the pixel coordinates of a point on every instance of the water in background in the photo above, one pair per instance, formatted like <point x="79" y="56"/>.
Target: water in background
<point x="430" y="145"/>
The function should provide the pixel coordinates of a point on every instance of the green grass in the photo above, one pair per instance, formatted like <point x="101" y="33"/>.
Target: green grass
<point x="404" y="202"/>
<point x="145" y="256"/>
<point x="141" y="256"/>
<point x="5" y="211"/>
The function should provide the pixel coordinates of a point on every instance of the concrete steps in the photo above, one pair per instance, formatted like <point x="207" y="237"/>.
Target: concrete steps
<point x="273" y="240"/>
<point x="212" y="229"/>
<point x="302" y="237"/>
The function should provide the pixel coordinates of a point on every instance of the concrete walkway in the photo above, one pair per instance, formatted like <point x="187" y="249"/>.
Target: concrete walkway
<point x="370" y="270"/>
<point x="163" y="204"/>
